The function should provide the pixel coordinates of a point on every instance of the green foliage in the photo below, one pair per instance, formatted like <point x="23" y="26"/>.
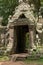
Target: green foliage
<point x="27" y="40"/>
<point x="37" y="4"/>
<point x="6" y="8"/>
<point x="4" y="58"/>
<point x="41" y="0"/>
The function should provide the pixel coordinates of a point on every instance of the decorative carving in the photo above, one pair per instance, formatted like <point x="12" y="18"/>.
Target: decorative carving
<point x="20" y="1"/>
<point x="23" y="1"/>
<point x="39" y="28"/>
<point x="38" y="40"/>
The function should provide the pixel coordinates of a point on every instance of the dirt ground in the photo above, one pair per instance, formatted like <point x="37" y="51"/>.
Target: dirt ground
<point x="12" y="63"/>
<point x="19" y="63"/>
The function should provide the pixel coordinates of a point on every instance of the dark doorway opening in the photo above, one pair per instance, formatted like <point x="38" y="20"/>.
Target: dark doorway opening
<point x="21" y="34"/>
<point x="22" y="16"/>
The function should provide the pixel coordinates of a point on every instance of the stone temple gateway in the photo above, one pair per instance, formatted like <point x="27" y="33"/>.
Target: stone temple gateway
<point x="21" y="23"/>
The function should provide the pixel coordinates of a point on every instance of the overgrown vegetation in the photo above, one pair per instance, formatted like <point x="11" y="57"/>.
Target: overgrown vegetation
<point x="7" y="7"/>
<point x="27" y="41"/>
<point x="4" y="58"/>
<point x="34" y="62"/>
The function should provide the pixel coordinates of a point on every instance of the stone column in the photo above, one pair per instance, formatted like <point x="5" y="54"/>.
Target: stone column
<point x="15" y="39"/>
<point x="11" y="38"/>
<point x="31" y="36"/>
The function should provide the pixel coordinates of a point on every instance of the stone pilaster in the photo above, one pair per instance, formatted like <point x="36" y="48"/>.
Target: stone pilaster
<point x="11" y="38"/>
<point x="31" y="36"/>
<point x="15" y="39"/>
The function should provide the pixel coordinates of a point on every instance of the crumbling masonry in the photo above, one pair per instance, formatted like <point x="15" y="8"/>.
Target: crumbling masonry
<point x="22" y="22"/>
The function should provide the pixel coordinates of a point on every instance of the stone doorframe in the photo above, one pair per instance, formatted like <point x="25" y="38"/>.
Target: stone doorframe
<point x="13" y="37"/>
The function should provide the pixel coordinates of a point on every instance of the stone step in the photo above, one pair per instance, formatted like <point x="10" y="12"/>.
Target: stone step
<point x="18" y="57"/>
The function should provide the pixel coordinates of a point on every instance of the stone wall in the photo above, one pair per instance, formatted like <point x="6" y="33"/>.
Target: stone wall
<point x="3" y="37"/>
